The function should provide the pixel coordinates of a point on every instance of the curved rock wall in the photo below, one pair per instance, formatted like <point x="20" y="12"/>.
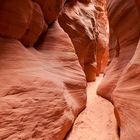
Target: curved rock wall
<point x="121" y="82"/>
<point x="85" y="22"/>
<point x="123" y="41"/>
<point x="42" y="85"/>
<point x="14" y="23"/>
<point x="79" y="22"/>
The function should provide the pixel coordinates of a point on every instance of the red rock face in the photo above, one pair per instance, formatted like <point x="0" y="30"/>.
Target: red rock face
<point x="42" y="90"/>
<point x="43" y="87"/>
<point x="124" y="37"/>
<point x="41" y="95"/>
<point x="138" y="5"/>
<point x="103" y="35"/>
<point x="30" y="100"/>
<point x="121" y="81"/>
<point x="50" y="8"/>
<point x="35" y="28"/>
<point x="126" y="99"/>
<point x="83" y="34"/>
<point x="15" y="21"/>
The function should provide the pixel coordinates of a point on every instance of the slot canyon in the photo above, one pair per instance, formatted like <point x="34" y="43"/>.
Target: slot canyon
<point x="69" y="69"/>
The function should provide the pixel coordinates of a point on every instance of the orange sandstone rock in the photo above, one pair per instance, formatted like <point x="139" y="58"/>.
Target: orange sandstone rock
<point x="35" y="28"/>
<point x="78" y="20"/>
<point x="15" y="17"/>
<point x="41" y="91"/>
<point x="124" y="38"/>
<point x="51" y="9"/>
<point x="126" y="99"/>
<point x="103" y="35"/>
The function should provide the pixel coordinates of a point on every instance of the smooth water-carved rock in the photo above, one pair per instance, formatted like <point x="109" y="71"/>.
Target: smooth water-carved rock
<point x="78" y="20"/>
<point x="51" y="9"/>
<point x="121" y="81"/>
<point x="126" y="99"/>
<point x="43" y="87"/>
<point x="41" y="91"/>
<point x="103" y="35"/>
<point x="35" y="28"/>
<point x="58" y="52"/>
<point x="15" y="17"/>
<point x="124" y="38"/>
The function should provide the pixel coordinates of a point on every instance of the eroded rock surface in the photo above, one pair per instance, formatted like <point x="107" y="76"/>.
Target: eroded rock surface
<point x="41" y="95"/>
<point x="123" y="41"/>
<point x="121" y="81"/>
<point x="78" y="19"/>
<point x="51" y="9"/>
<point x="36" y="27"/>
<point x="15" y="21"/>
<point x="126" y="99"/>
<point x="42" y="84"/>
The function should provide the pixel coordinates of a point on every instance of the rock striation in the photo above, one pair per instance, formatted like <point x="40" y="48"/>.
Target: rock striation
<point x="42" y="84"/>
<point x="78" y="19"/>
<point x="36" y="27"/>
<point x="41" y="92"/>
<point x="124" y="37"/>
<point x="121" y="81"/>
<point x="14" y="22"/>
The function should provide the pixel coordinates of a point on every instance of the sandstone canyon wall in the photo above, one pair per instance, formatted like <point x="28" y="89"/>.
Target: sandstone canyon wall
<point x="124" y="36"/>
<point x="86" y="24"/>
<point x="42" y="84"/>
<point x="121" y="84"/>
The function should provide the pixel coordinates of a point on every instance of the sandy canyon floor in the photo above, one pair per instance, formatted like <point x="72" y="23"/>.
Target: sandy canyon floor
<point x="97" y="121"/>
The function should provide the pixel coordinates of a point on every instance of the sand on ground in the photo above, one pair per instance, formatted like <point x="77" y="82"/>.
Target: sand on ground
<point x="97" y="121"/>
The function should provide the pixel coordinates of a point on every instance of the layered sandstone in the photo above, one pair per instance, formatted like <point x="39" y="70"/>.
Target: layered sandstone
<point x="78" y="19"/>
<point x="50" y="9"/>
<point x="43" y="87"/>
<point x="15" y="21"/>
<point x="124" y="36"/>
<point x="36" y="27"/>
<point x="126" y="99"/>
<point x="103" y="35"/>
<point x="121" y="81"/>
<point x="41" y="92"/>
<point x="42" y="84"/>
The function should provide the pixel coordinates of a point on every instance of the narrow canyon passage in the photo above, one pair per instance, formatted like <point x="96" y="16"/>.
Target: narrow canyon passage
<point x="70" y="70"/>
<point x="97" y="121"/>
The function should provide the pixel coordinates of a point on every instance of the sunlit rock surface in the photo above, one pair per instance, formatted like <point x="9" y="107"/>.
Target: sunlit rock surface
<point x="41" y="91"/>
<point x="121" y="82"/>
<point x="42" y="84"/>
<point x="87" y="29"/>
<point x="126" y="99"/>
<point x="124" y="36"/>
